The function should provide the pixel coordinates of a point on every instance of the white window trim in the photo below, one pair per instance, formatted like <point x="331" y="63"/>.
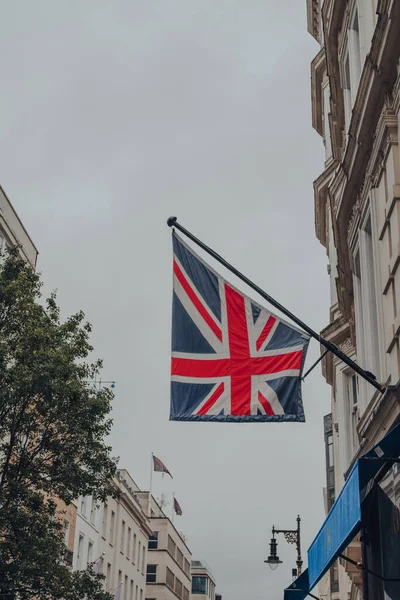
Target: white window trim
<point x="367" y="304"/>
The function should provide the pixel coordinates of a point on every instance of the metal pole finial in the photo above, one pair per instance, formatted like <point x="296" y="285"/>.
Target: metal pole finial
<point x="171" y="221"/>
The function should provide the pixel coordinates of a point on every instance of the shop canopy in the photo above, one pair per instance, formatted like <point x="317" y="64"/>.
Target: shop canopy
<point x="344" y="519"/>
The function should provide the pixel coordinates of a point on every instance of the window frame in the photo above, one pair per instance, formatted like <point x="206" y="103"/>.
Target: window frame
<point x="152" y="573"/>
<point x="153" y="539"/>
<point x="200" y="592"/>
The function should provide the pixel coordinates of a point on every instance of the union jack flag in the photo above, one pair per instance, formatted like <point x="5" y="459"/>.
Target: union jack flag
<point x="177" y="507"/>
<point x="159" y="466"/>
<point x="232" y="360"/>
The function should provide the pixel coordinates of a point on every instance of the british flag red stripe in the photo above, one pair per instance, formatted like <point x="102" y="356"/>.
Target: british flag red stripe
<point x="230" y="357"/>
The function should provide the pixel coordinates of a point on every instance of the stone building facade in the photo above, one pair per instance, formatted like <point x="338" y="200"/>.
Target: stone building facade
<point x="169" y="558"/>
<point x="124" y="531"/>
<point x="113" y="537"/>
<point x="355" y="81"/>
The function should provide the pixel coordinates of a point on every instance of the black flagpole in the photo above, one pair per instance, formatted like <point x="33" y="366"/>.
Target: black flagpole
<point x="173" y="222"/>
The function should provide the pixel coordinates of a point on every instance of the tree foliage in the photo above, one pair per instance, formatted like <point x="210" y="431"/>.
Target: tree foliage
<point x="53" y="425"/>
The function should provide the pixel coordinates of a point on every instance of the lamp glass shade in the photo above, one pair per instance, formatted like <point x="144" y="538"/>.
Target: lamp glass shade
<point x="273" y="562"/>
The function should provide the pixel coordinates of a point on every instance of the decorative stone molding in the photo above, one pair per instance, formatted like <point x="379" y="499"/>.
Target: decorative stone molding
<point x="314" y="19"/>
<point x="346" y="346"/>
<point x="332" y="16"/>
<point x="336" y="332"/>
<point x="354" y="217"/>
<point x="318" y="69"/>
<point x="322" y="203"/>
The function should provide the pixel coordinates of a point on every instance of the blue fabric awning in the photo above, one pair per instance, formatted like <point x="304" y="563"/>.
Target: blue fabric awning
<point x="299" y="588"/>
<point x="344" y="520"/>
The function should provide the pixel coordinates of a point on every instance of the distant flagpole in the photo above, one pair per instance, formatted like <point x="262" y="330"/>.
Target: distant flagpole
<point x="117" y="594"/>
<point x="173" y="507"/>
<point x="150" y="486"/>
<point x="173" y="222"/>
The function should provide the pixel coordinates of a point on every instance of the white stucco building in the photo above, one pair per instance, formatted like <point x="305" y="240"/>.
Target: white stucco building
<point x="169" y="558"/>
<point x="87" y="539"/>
<point x="355" y="79"/>
<point x="113" y="536"/>
<point x="124" y="534"/>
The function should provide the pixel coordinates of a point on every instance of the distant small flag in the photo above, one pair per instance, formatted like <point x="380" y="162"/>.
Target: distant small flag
<point x="177" y="507"/>
<point x="158" y="465"/>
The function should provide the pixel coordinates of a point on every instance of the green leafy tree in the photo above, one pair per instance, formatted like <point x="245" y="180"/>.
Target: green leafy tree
<point x="53" y="425"/>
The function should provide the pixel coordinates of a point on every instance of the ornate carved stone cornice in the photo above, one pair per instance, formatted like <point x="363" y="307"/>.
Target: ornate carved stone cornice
<point x="337" y="332"/>
<point x="321" y="187"/>
<point x="314" y="18"/>
<point x="318" y="68"/>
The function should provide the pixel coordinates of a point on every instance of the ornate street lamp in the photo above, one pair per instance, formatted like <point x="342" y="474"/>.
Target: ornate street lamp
<point x="273" y="558"/>
<point x="292" y="536"/>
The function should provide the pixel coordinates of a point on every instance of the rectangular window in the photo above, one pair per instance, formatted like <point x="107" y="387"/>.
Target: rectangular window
<point x="199" y="585"/>
<point x="329" y="455"/>
<point x="90" y="552"/>
<point x="178" y="587"/>
<point x="141" y="594"/>
<point x="122" y="536"/>
<point x="119" y="582"/>
<point x="352" y="416"/>
<point x="132" y="587"/>
<point x="331" y="498"/>
<point x="128" y="543"/>
<point x="366" y="302"/>
<point x="138" y="556"/>
<point x="170" y="579"/>
<point x="104" y="522"/>
<point x="108" y="578"/>
<point x="179" y="558"/>
<point x="83" y="507"/>
<point x="112" y="527"/>
<point x="80" y="550"/>
<point x="185" y="594"/>
<point x="334" y="576"/>
<point x="126" y="588"/>
<point x="153" y="541"/>
<point x="66" y="531"/>
<point x="151" y="576"/>
<point x="134" y="549"/>
<point x="186" y="568"/>
<point x="171" y="546"/>
<point x="143" y="558"/>
<point x="348" y="106"/>
<point x="93" y="512"/>
<point x="137" y="592"/>
<point x="330" y="450"/>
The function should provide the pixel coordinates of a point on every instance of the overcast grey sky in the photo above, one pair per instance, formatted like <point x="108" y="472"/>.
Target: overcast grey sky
<point x="115" y="115"/>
